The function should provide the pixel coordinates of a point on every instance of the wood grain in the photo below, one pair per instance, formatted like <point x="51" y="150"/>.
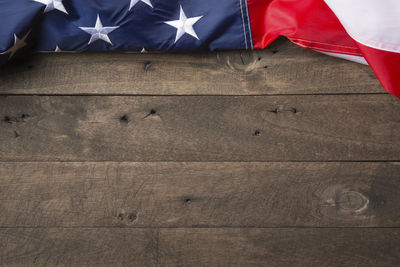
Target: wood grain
<point x="241" y="158"/>
<point x="199" y="194"/>
<point x="280" y="247"/>
<point x="199" y="128"/>
<point x="282" y="68"/>
<point x="200" y="247"/>
<point x="78" y="247"/>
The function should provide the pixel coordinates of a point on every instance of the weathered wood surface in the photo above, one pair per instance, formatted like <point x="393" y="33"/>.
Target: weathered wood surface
<point x="199" y="128"/>
<point x="78" y="247"/>
<point x="280" y="247"/>
<point x="192" y="179"/>
<point x="199" y="247"/>
<point x="199" y="194"/>
<point x="283" y="68"/>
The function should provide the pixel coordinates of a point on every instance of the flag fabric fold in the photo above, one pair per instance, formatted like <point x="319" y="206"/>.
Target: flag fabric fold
<point x="364" y="31"/>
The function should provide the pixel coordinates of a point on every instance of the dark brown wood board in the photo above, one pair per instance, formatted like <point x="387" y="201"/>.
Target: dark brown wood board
<point x="200" y="247"/>
<point x="78" y="247"/>
<point x="280" y="247"/>
<point x="283" y="68"/>
<point x="206" y="194"/>
<point x="199" y="128"/>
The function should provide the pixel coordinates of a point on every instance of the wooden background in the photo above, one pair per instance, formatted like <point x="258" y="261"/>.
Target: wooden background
<point x="279" y="157"/>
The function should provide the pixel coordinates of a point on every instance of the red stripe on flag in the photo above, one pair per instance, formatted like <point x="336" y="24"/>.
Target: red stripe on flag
<point x="386" y="67"/>
<point x="312" y="24"/>
<point x="309" y="23"/>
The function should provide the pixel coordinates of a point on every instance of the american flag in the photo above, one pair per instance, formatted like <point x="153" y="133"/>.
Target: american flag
<point x="365" y="31"/>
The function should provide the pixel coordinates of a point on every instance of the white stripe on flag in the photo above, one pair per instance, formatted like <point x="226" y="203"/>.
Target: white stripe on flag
<point x="370" y="22"/>
<point x="348" y="57"/>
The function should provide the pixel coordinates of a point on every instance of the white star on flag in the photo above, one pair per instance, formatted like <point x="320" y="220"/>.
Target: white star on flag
<point x="52" y="4"/>
<point x="184" y="25"/>
<point x="134" y="2"/>
<point x="18" y="44"/>
<point x="57" y="50"/>
<point x="99" y="32"/>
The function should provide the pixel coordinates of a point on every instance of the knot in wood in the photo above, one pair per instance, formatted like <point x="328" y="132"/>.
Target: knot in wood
<point x="352" y="201"/>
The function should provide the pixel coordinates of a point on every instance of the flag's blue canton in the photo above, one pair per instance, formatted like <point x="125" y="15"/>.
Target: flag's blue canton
<point x="123" y="25"/>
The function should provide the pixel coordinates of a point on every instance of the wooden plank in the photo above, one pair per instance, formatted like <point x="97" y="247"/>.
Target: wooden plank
<point x="283" y="68"/>
<point x="200" y="247"/>
<point x="199" y="194"/>
<point x="280" y="247"/>
<point x="78" y="247"/>
<point x="199" y="128"/>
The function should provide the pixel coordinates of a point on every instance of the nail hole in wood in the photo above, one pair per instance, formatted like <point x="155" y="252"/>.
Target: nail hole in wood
<point x="124" y="119"/>
<point x="24" y="116"/>
<point x="132" y="217"/>
<point x="151" y="113"/>
<point x="7" y="119"/>
<point x="257" y="133"/>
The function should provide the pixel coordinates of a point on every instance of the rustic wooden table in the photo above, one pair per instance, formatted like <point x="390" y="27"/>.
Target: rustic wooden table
<point x="280" y="157"/>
